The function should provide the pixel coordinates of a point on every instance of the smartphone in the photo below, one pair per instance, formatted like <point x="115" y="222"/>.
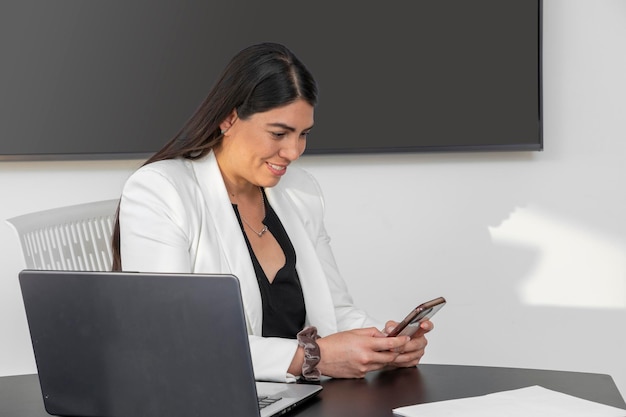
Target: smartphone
<point x="422" y="312"/>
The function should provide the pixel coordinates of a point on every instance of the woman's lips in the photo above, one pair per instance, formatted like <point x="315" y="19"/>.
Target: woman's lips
<point x="277" y="169"/>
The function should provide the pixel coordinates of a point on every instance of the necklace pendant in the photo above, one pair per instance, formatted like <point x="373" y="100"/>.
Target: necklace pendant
<point x="259" y="234"/>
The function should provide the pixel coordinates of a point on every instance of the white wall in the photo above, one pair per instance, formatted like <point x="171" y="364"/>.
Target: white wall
<point x="529" y="248"/>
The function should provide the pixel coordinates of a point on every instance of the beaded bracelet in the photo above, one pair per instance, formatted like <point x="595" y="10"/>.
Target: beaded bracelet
<point x="307" y="338"/>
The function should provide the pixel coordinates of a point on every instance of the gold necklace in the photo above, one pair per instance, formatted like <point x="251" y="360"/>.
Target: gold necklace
<point x="259" y="234"/>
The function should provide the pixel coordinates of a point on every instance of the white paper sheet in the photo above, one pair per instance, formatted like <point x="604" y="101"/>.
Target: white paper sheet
<point x="534" y="401"/>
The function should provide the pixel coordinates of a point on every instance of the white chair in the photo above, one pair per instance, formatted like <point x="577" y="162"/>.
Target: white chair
<point x="75" y="237"/>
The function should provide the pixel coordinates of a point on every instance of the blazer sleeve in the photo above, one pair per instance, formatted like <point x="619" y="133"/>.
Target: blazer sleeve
<point x="310" y="202"/>
<point x="158" y="225"/>
<point x="349" y="316"/>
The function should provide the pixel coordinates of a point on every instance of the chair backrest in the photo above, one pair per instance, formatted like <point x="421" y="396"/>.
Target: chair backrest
<point x="68" y="238"/>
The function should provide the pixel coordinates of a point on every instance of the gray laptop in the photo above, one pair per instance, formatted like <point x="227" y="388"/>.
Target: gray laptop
<point x="112" y="344"/>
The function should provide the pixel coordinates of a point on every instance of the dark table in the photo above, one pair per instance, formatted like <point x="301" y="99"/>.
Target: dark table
<point x="380" y="392"/>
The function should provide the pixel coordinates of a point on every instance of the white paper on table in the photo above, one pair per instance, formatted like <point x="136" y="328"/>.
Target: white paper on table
<point x="534" y="401"/>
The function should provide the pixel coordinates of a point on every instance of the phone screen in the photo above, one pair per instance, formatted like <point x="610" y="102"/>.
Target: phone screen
<point x="412" y="321"/>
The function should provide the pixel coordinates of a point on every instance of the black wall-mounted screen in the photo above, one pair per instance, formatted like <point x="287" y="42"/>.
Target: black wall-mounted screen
<point x="116" y="79"/>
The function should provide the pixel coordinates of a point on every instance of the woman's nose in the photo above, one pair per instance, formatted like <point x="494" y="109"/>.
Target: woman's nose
<point x="292" y="149"/>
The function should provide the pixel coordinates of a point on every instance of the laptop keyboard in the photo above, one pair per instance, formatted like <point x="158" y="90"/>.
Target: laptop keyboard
<point x="264" y="401"/>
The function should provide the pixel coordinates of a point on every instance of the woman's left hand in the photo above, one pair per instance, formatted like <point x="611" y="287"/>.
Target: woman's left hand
<point x="411" y="353"/>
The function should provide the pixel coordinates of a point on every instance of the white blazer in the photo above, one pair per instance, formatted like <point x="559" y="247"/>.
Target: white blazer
<point x="175" y="216"/>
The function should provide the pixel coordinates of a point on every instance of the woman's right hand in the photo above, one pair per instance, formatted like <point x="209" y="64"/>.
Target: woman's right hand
<point x="353" y="353"/>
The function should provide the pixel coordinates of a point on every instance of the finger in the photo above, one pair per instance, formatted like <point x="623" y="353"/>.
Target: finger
<point x="384" y="358"/>
<point x="407" y="360"/>
<point x="425" y="327"/>
<point x="369" y="331"/>
<point x="389" y="343"/>
<point x="389" y="326"/>
<point x="412" y="354"/>
<point x="415" y="344"/>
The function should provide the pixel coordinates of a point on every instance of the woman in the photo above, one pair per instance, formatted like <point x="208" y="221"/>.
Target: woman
<point x="221" y="196"/>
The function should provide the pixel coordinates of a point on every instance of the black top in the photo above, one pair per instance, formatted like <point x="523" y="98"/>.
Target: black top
<point x="283" y="303"/>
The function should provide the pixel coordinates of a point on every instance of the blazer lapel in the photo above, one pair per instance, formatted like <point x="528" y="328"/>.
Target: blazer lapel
<point x="319" y="304"/>
<point x="230" y="238"/>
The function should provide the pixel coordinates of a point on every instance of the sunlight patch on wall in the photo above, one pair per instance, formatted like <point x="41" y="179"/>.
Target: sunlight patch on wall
<point x="576" y="267"/>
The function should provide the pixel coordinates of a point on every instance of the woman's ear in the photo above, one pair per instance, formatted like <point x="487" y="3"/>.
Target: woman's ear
<point x="228" y="122"/>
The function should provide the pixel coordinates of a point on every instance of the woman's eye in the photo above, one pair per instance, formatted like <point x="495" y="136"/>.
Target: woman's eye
<point x="278" y="134"/>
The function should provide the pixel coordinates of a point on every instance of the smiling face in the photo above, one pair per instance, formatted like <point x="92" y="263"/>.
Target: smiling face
<point x="257" y="151"/>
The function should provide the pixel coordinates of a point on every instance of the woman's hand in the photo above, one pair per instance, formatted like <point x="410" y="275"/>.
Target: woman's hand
<point x="353" y="353"/>
<point x="411" y="353"/>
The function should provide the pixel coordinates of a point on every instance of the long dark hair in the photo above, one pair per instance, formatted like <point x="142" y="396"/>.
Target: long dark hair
<point x="259" y="78"/>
